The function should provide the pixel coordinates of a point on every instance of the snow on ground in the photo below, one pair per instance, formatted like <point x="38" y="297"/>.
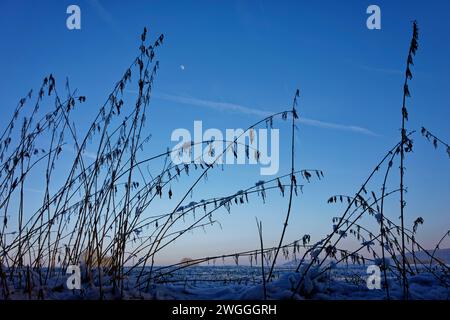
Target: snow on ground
<point x="342" y="283"/>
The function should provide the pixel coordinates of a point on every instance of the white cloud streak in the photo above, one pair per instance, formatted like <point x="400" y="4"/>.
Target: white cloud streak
<point x="382" y="70"/>
<point x="106" y="16"/>
<point x="86" y="154"/>
<point x="232" y="107"/>
<point x="101" y="11"/>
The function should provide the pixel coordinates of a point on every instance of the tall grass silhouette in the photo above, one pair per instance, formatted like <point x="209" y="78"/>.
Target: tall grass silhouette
<point x="97" y="211"/>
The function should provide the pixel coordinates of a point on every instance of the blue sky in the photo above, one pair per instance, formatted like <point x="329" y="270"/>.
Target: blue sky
<point x="242" y="59"/>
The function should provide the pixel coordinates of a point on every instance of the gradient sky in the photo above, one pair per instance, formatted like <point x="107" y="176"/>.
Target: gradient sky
<point x="228" y="62"/>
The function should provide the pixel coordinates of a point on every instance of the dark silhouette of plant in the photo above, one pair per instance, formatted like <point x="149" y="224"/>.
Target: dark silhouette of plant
<point x="260" y="233"/>
<point x="306" y="174"/>
<point x="406" y="144"/>
<point x="100" y="211"/>
<point x="435" y="140"/>
<point x="447" y="234"/>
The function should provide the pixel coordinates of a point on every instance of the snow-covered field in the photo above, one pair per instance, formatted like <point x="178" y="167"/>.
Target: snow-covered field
<point x="244" y="283"/>
<point x="340" y="283"/>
